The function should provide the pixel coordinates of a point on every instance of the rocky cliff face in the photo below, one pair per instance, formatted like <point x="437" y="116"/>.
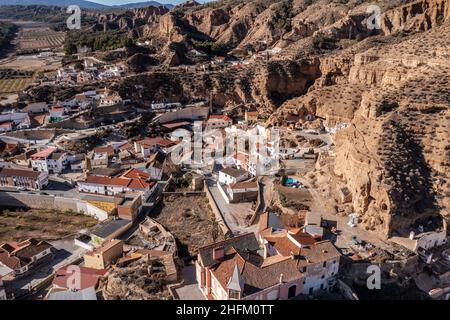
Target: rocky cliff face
<point x="392" y="91"/>
<point x="389" y="85"/>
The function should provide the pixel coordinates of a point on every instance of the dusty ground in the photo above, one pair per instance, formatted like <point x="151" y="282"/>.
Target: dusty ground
<point x="41" y="224"/>
<point x="190" y="220"/>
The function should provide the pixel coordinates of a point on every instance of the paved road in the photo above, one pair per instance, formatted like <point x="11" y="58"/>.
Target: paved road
<point x="66" y="252"/>
<point x="190" y="289"/>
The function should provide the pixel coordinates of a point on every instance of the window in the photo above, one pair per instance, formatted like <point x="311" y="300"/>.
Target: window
<point x="303" y="269"/>
<point x="324" y="264"/>
<point x="322" y="277"/>
<point x="233" y="294"/>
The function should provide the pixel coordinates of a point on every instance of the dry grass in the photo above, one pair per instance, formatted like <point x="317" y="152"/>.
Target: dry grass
<point x="41" y="224"/>
<point x="190" y="220"/>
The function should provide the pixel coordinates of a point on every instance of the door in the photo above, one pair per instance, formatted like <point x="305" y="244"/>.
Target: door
<point x="292" y="291"/>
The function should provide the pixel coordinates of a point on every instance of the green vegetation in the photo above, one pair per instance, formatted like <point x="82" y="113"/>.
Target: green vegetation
<point x="95" y="41"/>
<point x="7" y="31"/>
<point x="211" y="47"/>
<point x="323" y="43"/>
<point x="285" y="13"/>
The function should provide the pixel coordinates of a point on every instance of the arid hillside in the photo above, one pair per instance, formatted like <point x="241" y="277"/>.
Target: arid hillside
<point x="385" y="77"/>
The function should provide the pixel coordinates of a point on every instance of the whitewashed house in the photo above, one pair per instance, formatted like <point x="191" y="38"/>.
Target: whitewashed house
<point x="49" y="160"/>
<point x="232" y="175"/>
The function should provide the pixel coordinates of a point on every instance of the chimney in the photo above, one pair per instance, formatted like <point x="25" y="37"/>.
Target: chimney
<point x="281" y="278"/>
<point x="218" y="253"/>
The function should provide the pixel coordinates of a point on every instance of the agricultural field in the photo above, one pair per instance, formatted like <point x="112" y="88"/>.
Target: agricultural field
<point x="39" y="38"/>
<point x="12" y="81"/>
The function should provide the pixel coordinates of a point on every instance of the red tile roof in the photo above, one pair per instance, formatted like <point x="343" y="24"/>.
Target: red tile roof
<point x="134" y="173"/>
<point x="89" y="277"/>
<point x="158" y="141"/>
<point x="43" y="153"/>
<point x="220" y="116"/>
<point x="6" y="124"/>
<point x="133" y="183"/>
<point x="107" y="181"/>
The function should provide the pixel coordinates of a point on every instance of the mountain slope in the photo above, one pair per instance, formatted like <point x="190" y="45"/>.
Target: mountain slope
<point x="59" y="3"/>
<point x="82" y="4"/>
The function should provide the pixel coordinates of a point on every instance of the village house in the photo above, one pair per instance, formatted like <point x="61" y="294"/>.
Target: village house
<point x="88" y="278"/>
<point x="109" y="230"/>
<point x="251" y="116"/>
<point x="24" y="159"/>
<point x="232" y="175"/>
<point x="257" y="161"/>
<point x="102" y="257"/>
<point x="110" y="98"/>
<point x="57" y="113"/>
<point x="318" y="261"/>
<point x="234" y="270"/>
<point x="23" y="179"/>
<point x="16" y="258"/>
<point x="112" y="186"/>
<point x="130" y="206"/>
<point x="148" y="145"/>
<point x="242" y="192"/>
<point x="8" y="149"/>
<point x="218" y="122"/>
<point x="12" y="120"/>
<point x="49" y="160"/>
<point x="36" y="108"/>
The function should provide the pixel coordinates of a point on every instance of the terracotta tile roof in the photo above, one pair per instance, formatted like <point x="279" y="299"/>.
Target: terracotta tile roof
<point x="257" y="273"/>
<point x="105" y="247"/>
<point x="107" y="149"/>
<point x="220" y="117"/>
<point x="17" y="255"/>
<point x="31" y="247"/>
<point x="12" y="262"/>
<point x="8" y="172"/>
<point x="242" y="157"/>
<point x="126" y="146"/>
<point x="317" y="253"/>
<point x="89" y="277"/>
<point x="158" y="141"/>
<point x="134" y="173"/>
<point x="283" y="245"/>
<point x="140" y="184"/>
<point x="107" y="181"/>
<point x="303" y="238"/>
<point x="6" y="124"/>
<point x="43" y="153"/>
